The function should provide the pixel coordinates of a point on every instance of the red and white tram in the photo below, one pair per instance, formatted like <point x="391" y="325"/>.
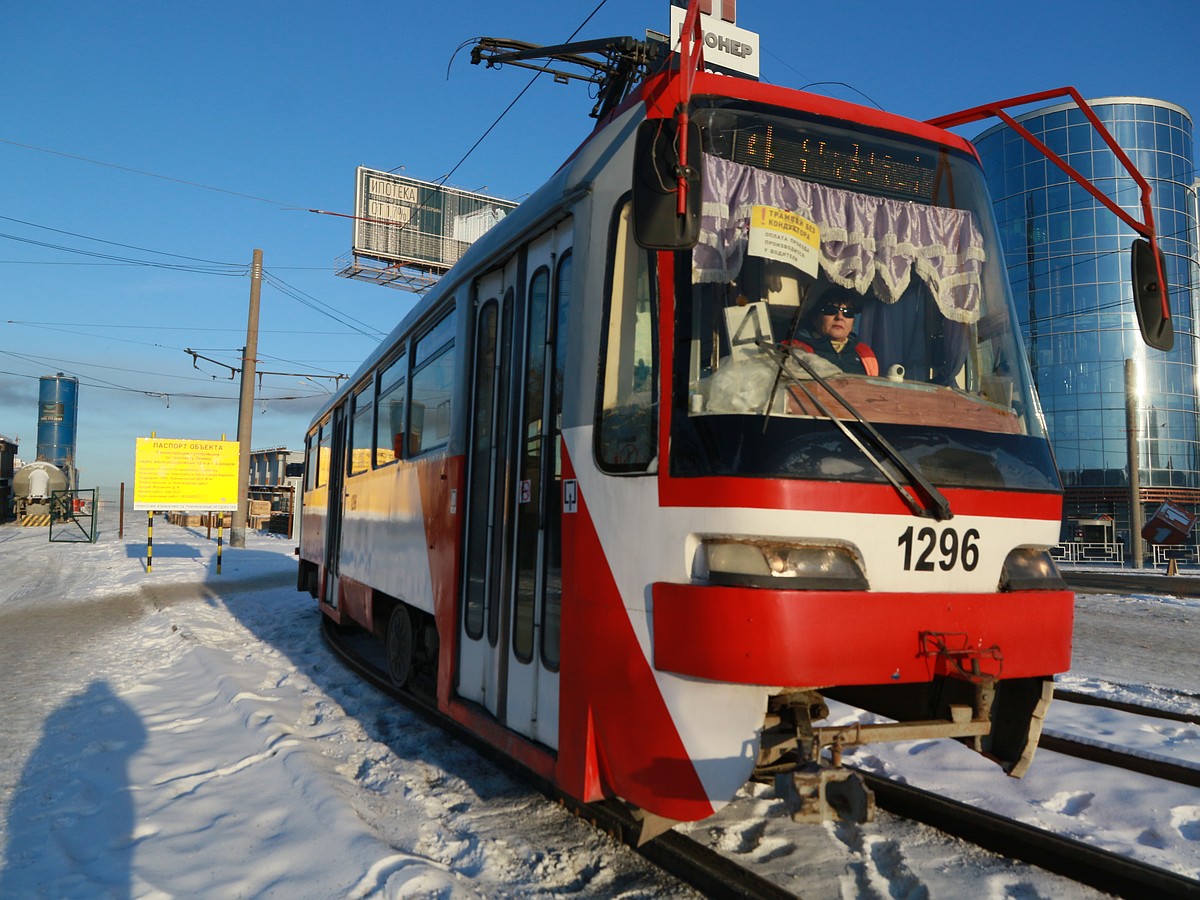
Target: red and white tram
<point x="604" y="509"/>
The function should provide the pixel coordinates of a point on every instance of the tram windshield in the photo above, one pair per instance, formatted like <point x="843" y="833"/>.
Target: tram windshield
<point x="847" y="279"/>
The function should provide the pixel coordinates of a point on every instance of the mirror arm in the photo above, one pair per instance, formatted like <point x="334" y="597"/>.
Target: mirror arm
<point x="681" y="179"/>
<point x="997" y="110"/>
<point x="691" y="61"/>
<point x="1144" y="228"/>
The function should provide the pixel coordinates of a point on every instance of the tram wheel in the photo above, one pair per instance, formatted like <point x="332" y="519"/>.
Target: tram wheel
<point x="400" y="646"/>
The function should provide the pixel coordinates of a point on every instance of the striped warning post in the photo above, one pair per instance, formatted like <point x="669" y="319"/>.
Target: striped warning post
<point x="41" y="521"/>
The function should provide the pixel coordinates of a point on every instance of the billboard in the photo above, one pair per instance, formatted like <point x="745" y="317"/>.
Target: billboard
<point x="727" y="48"/>
<point x="185" y="475"/>
<point x="1170" y="524"/>
<point x="408" y="222"/>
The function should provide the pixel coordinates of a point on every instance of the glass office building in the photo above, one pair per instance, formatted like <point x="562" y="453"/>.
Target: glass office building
<point x="1069" y="266"/>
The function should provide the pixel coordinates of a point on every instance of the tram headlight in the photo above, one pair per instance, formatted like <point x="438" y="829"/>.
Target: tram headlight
<point x="1030" y="569"/>
<point x="783" y="565"/>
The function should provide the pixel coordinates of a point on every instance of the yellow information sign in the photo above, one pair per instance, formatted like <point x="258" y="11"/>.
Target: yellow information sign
<point x="782" y="235"/>
<point x="185" y="475"/>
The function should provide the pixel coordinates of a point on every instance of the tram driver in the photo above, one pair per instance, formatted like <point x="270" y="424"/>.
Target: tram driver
<point x="829" y="332"/>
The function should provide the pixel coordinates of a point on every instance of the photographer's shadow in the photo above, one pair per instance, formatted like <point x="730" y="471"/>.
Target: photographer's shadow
<point x="72" y="815"/>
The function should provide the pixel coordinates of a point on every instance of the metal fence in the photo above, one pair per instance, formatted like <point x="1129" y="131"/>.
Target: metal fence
<point x="1080" y="554"/>
<point x="1182" y="554"/>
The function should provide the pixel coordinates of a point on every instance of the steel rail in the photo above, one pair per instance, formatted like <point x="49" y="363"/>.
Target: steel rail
<point x="1153" y="765"/>
<point x="700" y="867"/>
<point x="1083" y="863"/>
<point x="1148" y="711"/>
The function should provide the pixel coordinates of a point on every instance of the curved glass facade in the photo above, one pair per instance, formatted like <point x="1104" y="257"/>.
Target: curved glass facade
<point x="1068" y="262"/>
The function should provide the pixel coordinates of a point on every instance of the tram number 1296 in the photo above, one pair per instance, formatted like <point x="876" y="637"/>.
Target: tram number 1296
<point x="946" y="550"/>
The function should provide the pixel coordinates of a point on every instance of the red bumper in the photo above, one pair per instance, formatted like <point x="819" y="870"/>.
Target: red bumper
<point x="815" y="638"/>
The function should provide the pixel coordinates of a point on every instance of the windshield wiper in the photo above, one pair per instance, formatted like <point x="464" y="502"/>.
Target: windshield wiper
<point x="929" y="503"/>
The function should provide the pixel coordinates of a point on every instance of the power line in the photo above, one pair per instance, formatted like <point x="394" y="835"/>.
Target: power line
<point x="258" y="373"/>
<point x="520" y="94"/>
<point x="841" y="84"/>
<point x="188" y="328"/>
<point x="218" y="269"/>
<point x="45" y="360"/>
<point x="196" y="184"/>
<point x="298" y="363"/>
<point x="100" y="384"/>
<point x="88" y="237"/>
<point x="443" y="179"/>
<point x="321" y="307"/>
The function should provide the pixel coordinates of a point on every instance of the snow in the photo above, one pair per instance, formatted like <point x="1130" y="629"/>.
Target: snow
<point x="183" y="733"/>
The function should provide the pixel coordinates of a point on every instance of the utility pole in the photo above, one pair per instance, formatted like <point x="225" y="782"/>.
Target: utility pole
<point x="1135" y="477"/>
<point x="237" y="533"/>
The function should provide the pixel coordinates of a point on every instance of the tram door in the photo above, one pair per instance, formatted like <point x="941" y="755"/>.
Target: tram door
<point x="509" y="632"/>
<point x="337" y="491"/>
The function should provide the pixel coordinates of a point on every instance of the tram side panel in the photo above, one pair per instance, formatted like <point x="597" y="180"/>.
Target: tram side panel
<point x="386" y="529"/>
<point x="617" y="735"/>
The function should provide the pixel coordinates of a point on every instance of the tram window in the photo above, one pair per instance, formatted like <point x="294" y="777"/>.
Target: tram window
<point x="310" y="461"/>
<point x="532" y="453"/>
<point x="499" y="588"/>
<point x="432" y="388"/>
<point x="324" y="453"/>
<point x="480" y="449"/>
<point x="627" y="432"/>
<point x="552" y="595"/>
<point x="389" y="422"/>
<point x="433" y="340"/>
<point x="361" y="432"/>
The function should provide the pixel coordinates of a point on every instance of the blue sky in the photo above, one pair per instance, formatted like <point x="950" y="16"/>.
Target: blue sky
<point x="173" y="139"/>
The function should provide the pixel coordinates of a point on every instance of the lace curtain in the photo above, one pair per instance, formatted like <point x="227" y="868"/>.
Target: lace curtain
<point x="866" y="242"/>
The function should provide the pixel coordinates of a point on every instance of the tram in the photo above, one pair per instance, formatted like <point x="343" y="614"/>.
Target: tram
<point x="606" y="505"/>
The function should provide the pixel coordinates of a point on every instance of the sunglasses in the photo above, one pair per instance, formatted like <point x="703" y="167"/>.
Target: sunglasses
<point x="832" y="309"/>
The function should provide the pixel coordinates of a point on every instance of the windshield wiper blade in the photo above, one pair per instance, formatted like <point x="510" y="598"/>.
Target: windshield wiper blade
<point x="929" y="503"/>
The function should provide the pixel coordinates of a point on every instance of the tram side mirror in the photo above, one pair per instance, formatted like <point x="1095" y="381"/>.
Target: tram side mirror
<point x="657" y="224"/>
<point x="1148" y="296"/>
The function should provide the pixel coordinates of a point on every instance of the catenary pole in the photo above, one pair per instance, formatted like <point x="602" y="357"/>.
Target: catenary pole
<point x="237" y="531"/>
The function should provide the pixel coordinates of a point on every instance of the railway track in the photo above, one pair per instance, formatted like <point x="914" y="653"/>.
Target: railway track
<point x="1106" y="703"/>
<point x="1152" y="765"/>
<point x="1108" y="872"/>
<point x="706" y="870"/>
<point x="1086" y="864"/>
<point x="716" y="875"/>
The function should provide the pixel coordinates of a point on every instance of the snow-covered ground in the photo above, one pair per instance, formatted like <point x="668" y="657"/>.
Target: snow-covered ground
<point x="180" y="733"/>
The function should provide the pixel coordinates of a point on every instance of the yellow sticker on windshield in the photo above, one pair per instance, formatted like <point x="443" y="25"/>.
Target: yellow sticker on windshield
<point x="784" y="236"/>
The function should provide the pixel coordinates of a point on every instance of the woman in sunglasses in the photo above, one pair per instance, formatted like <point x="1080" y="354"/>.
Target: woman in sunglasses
<point x="831" y="334"/>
